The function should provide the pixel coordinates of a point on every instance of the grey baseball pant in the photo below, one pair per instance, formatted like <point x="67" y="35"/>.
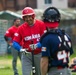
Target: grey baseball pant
<point x="55" y="71"/>
<point x="15" y="55"/>
<point x="27" y="63"/>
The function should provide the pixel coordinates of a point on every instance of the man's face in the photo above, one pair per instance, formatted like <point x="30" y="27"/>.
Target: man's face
<point x="29" y="19"/>
<point x="17" y="22"/>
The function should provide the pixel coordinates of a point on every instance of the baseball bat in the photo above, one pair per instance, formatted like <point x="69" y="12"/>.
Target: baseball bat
<point x="33" y="66"/>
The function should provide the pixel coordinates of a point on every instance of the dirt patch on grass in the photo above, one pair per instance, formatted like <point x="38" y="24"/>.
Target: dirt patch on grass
<point x="5" y="62"/>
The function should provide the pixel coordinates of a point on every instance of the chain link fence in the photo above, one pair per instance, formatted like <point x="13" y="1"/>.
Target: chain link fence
<point x="4" y="25"/>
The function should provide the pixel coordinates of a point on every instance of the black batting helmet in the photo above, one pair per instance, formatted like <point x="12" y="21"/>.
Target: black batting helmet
<point x="51" y="14"/>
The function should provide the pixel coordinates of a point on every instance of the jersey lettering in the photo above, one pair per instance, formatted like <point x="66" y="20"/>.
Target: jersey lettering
<point x="62" y="55"/>
<point x="32" y="37"/>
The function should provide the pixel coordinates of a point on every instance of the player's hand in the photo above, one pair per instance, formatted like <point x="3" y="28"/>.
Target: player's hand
<point x="33" y="46"/>
<point x="24" y="50"/>
<point x="9" y="43"/>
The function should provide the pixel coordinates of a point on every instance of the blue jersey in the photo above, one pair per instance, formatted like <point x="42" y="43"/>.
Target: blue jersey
<point x="50" y="45"/>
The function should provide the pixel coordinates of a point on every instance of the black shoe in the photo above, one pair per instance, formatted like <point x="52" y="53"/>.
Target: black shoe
<point x="16" y="74"/>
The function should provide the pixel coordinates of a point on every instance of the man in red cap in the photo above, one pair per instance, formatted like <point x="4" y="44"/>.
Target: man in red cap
<point x="29" y="32"/>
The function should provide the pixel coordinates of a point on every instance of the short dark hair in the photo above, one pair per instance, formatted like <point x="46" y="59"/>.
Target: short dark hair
<point x="15" y="19"/>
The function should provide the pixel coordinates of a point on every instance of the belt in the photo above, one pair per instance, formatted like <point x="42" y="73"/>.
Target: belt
<point x="25" y="52"/>
<point x="29" y="53"/>
<point x="60" y="67"/>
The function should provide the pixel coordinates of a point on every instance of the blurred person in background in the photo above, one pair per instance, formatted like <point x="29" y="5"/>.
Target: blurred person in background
<point x="73" y="64"/>
<point x="8" y="36"/>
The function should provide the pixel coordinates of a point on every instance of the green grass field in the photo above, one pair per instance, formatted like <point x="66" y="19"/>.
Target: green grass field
<point x="6" y="65"/>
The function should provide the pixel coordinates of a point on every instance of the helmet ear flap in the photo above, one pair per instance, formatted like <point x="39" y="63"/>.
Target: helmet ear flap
<point x="33" y="16"/>
<point x="23" y="18"/>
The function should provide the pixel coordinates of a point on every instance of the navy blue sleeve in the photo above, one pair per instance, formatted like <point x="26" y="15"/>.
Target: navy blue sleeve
<point x="16" y="46"/>
<point x="45" y="47"/>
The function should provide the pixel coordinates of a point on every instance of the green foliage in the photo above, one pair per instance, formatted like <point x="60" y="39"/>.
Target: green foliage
<point x="74" y="54"/>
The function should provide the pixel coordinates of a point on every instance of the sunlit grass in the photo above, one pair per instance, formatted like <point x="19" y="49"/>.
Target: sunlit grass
<point x="6" y="65"/>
